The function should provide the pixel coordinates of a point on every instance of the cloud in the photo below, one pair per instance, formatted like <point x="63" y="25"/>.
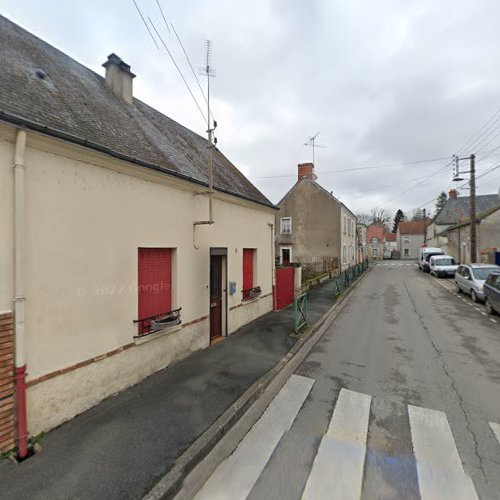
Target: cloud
<point x="384" y="82"/>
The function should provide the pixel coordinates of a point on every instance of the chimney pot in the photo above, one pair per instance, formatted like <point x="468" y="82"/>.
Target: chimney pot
<point x="119" y="78"/>
<point x="452" y="194"/>
<point x="306" y="170"/>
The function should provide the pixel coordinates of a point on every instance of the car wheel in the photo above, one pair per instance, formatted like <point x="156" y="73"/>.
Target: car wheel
<point x="473" y="296"/>
<point x="489" y="308"/>
<point x="457" y="288"/>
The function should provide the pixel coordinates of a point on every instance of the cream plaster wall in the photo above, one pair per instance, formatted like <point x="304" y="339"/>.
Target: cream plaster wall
<point x="348" y="239"/>
<point x="86" y="216"/>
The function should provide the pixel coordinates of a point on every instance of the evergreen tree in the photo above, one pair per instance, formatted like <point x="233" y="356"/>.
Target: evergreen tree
<point x="400" y="216"/>
<point x="441" y="201"/>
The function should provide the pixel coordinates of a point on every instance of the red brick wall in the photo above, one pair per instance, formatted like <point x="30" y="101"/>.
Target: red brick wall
<point x="6" y="382"/>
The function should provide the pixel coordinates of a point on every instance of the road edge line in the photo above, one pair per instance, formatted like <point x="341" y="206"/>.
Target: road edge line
<point x="171" y="482"/>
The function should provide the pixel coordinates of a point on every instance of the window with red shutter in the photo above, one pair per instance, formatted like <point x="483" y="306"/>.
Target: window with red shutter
<point x="248" y="274"/>
<point x="155" y="284"/>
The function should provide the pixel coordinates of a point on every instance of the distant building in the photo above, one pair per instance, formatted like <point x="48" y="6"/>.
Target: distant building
<point x="390" y="245"/>
<point x="410" y="238"/>
<point x="375" y="241"/>
<point x="362" y="245"/>
<point x="313" y="227"/>
<point x="455" y="211"/>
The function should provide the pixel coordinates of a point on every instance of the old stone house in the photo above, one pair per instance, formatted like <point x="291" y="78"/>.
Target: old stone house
<point x="487" y="236"/>
<point x="455" y="210"/>
<point x="313" y="227"/>
<point x="375" y="241"/>
<point x="109" y="255"/>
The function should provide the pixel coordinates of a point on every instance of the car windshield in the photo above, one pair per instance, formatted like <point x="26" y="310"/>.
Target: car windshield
<point x="429" y="255"/>
<point x="444" y="262"/>
<point x="482" y="273"/>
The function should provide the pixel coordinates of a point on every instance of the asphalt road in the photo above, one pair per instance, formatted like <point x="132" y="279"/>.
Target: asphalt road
<point x="399" y="399"/>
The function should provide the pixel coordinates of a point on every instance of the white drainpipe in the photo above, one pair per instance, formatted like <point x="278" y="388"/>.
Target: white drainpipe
<point x="20" y="336"/>
<point x="19" y="217"/>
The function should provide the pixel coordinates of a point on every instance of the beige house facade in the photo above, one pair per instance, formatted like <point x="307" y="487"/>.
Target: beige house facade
<point x="79" y="213"/>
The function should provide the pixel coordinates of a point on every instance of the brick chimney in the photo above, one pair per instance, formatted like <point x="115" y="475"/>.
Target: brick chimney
<point x="306" y="170"/>
<point x="119" y="78"/>
<point x="452" y="194"/>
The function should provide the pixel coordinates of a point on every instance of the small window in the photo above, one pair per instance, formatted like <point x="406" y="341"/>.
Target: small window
<point x="406" y="252"/>
<point x="345" y="224"/>
<point x="375" y="252"/>
<point x="286" y="225"/>
<point x="406" y="239"/>
<point x="374" y="240"/>
<point x="344" y="252"/>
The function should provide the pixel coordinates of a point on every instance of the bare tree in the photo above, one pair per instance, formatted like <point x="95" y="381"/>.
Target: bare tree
<point x="380" y="216"/>
<point x="364" y="218"/>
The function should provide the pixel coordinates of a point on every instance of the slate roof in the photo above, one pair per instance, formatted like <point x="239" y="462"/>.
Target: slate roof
<point x="72" y="102"/>
<point x="412" y="227"/>
<point x="457" y="209"/>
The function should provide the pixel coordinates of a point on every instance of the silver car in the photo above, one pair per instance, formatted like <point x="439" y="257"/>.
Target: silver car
<point x="470" y="279"/>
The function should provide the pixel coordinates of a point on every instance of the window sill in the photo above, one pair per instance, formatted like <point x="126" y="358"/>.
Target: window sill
<point x="250" y="300"/>
<point x="156" y="335"/>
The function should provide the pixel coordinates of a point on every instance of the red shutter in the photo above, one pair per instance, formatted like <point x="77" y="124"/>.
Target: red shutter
<point x="247" y="268"/>
<point x="155" y="282"/>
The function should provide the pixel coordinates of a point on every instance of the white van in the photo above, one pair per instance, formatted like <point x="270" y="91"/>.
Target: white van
<point x="424" y="254"/>
<point x="442" y="266"/>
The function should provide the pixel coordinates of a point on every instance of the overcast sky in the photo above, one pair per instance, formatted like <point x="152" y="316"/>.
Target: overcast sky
<point x="384" y="83"/>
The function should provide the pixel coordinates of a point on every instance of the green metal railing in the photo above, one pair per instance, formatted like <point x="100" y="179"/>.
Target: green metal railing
<point x="300" y="312"/>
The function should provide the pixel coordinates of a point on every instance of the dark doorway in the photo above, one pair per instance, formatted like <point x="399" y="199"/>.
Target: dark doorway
<point x="215" y="296"/>
<point x="285" y="252"/>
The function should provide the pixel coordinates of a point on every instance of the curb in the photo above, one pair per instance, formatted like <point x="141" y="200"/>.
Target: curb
<point x="171" y="483"/>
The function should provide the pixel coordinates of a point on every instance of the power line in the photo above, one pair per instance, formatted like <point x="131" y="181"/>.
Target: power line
<point x="146" y="24"/>
<point x="163" y="16"/>
<point x="178" y="69"/>
<point x="192" y="69"/>
<point x="471" y="143"/>
<point x="169" y="53"/>
<point x="358" y="168"/>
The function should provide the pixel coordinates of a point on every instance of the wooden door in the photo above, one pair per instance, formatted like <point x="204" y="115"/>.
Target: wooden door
<point x="215" y="296"/>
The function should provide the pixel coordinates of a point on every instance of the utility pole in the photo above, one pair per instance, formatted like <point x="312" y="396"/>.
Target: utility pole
<point x="472" y="199"/>
<point x="472" y="203"/>
<point x="425" y="227"/>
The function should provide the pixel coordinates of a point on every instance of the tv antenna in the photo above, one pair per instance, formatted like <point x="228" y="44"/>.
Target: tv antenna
<point x="311" y="142"/>
<point x="209" y="72"/>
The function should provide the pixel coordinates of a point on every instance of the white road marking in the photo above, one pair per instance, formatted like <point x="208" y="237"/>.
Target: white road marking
<point x="494" y="320"/>
<point x="337" y="471"/>
<point x="477" y="309"/>
<point x="483" y="313"/>
<point x="439" y="468"/>
<point x="235" y="477"/>
<point x="496" y="430"/>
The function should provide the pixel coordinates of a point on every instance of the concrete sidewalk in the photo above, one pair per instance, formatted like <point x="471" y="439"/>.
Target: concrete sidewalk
<point x="123" y="446"/>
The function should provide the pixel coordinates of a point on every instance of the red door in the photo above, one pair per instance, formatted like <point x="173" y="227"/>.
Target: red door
<point x="154" y="279"/>
<point x="215" y="296"/>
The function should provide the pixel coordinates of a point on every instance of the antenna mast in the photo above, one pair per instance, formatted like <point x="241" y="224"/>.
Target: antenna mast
<point x="209" y="73"/>
<point x="311" y="142"/>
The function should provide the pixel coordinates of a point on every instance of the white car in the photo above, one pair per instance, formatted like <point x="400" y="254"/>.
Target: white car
<point x="424" y="254"/>
<point x="442" y="266"/>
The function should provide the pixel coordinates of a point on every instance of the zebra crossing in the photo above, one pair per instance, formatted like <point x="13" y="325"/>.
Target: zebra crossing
<point x="337" y="471"/>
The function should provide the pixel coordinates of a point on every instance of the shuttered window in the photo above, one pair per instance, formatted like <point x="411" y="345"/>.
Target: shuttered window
<point x="154" y="283"/>
<point x="248" y="254"/>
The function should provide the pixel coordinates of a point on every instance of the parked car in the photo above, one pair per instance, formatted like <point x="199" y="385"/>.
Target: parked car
<point x="424" y="254"/>
<point x="442" y="266"/>
<point x="492" y="293"/>
<point x="470" y="279"/>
